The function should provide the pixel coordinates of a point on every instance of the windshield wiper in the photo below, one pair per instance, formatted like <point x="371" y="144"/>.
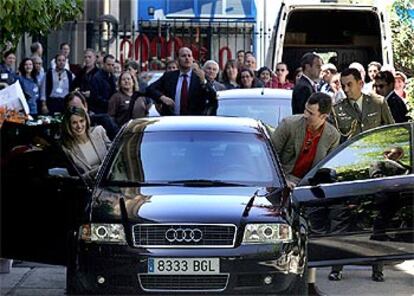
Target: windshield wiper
<point x="134" y="183"/>
<point x="205" y="183"/>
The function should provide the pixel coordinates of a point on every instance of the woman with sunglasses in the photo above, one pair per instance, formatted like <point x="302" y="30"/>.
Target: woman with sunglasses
<point x="281" y="74"/>
<point x="85" y="146"/>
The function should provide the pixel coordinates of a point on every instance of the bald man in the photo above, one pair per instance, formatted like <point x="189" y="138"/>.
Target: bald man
<point x="184" y="91"/>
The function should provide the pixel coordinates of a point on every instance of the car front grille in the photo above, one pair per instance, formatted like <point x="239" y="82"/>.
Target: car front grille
<point x="195" y="236"/>
<point x="178" y="283"/>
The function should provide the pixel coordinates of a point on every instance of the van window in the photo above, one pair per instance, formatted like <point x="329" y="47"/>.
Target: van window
<point x="347" y="34"/>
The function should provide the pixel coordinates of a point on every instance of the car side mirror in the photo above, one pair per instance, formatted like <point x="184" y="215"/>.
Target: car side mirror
<point x="323" y="175"/>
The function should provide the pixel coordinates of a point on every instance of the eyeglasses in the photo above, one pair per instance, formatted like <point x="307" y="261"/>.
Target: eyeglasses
<point x="379" y="85"/>
<point x="281" y="70"/>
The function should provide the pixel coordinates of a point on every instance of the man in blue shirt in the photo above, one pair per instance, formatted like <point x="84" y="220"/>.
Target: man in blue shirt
<point x="7" y="74"/>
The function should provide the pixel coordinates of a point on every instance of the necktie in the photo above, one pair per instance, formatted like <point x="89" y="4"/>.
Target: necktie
<point x="184" y="96"/>
<point x="358" y="111"/>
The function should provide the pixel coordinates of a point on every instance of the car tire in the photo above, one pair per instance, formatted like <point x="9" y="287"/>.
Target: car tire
<point x="300" y="285"/>
<point x="73" y="283"/>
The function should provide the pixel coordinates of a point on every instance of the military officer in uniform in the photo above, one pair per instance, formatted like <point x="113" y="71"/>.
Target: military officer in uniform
<point x="358" y="112"/>
<point x="352" y="115"/>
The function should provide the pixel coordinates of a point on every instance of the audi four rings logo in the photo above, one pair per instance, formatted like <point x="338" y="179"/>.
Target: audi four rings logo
<point x="180" y="235"/>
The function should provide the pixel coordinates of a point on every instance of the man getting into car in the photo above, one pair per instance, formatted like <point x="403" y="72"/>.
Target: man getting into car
<point x="303" y="140"/>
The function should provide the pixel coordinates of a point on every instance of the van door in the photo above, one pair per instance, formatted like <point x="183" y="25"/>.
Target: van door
<point x="340" y="33"/>
<point x="41" y="204"/>
<point x="359" y="201"/>
<point x="274" y="54"/>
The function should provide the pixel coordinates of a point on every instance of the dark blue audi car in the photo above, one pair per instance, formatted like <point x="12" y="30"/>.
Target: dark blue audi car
<point x="194" y="205"/>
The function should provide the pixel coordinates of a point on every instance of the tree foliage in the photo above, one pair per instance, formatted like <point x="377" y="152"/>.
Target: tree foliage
<point x="403" y="43"/>
<point x="18" y="17"/>
<point x="403" y="36"/>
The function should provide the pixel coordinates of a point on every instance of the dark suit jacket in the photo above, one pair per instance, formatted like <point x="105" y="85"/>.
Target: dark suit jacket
<point x="102" y="87"/>
<point x="301" y="93"/>
<point x="398" y="108"/>
<point x="201" y="97"/>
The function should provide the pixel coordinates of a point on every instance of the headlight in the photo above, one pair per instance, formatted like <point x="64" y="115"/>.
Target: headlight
<point x="103" y="233"/>
<point x="267" y="233"/>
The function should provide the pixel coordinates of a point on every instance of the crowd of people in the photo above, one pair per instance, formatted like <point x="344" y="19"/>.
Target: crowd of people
<point x="328" y="107"/>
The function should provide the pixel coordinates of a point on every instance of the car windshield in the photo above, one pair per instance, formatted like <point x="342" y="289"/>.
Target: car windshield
<point x="269" y="111"/>
<point x="188" y="157"/>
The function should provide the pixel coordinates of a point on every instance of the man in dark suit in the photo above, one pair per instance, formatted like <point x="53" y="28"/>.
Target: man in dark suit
<point x="311" y="64"/>
<point x="384" y="85"/>
<point x="184" y="91"/>
<point x="102" y="86"/>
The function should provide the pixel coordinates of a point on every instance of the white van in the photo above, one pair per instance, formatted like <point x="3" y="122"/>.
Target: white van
<point x="347" y="31"/>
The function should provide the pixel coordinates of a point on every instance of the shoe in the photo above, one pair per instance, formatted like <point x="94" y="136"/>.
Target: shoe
<point x="313" y="290"/>
<point x="335" y="276"/>
<point x="378" y="276"/>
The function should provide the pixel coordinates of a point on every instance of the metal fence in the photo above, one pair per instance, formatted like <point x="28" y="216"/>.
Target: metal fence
<point x="153" y="43"/>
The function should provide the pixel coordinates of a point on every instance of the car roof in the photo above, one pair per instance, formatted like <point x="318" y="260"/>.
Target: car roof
<point x="262" y="93"/>
<point x="194" y="123"/>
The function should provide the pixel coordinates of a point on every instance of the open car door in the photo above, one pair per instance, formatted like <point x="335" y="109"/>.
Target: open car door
<point x="359" y="200"/>
<point x="41" y="204"/>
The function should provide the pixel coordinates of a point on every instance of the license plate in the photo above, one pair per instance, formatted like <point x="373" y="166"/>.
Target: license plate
<point x="183" y="265"/>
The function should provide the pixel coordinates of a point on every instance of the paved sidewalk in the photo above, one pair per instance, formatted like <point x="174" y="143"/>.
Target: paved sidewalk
<point x="32" y="279"/>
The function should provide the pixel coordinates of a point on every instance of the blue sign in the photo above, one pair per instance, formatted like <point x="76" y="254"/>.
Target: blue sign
<point x="196" y="9"/>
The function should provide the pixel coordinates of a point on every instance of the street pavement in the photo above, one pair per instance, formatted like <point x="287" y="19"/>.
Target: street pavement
<point x="31" y="279"/>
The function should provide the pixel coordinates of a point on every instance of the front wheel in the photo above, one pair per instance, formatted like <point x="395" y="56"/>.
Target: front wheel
<point x="73" y="283"/>
<point x="300" y="285"/>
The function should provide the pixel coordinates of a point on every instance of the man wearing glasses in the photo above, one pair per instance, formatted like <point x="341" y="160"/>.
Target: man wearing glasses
<point x="384" y="85"/>
<point x="302" y="140"/>
<point x="358" y="112"/>
<point x="281" y="74"/>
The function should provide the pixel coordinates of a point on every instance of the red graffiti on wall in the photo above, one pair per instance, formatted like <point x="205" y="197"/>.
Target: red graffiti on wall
<point x="144" y="50"/>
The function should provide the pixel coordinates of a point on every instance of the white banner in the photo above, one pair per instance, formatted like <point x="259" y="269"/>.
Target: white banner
<point x="12" y="97"/>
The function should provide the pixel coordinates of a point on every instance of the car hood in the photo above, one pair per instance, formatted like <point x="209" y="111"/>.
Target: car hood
<point x="186" y="205"/>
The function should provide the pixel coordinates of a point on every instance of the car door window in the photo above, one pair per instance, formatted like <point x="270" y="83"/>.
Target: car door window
<point x="377" y="154"/>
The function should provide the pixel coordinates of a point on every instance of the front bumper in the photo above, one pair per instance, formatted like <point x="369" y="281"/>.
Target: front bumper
<point x="242" y="270"/>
